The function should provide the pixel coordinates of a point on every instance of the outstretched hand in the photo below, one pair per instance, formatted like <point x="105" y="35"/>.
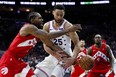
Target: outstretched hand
<point x="76" y="27"/>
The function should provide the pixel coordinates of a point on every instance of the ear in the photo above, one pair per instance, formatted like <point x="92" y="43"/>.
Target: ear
<point x="64" y="13"/>
<point x="53" y="12"/>
<point x="32" y="20"/>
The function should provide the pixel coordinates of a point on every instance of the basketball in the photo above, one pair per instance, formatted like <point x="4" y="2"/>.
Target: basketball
<point x="86" y="62"/>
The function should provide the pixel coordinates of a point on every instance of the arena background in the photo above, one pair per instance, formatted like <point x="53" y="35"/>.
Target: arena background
<point x="95" y="17"/>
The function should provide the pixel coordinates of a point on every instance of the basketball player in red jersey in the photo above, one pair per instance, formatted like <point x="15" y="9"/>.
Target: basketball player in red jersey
<point x="103" y="57"/>
<point x="11" y="63"/>
<point x="76" y="70"/>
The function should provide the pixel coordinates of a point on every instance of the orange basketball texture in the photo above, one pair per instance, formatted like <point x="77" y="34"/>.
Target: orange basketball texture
<point x="86" y="62"/>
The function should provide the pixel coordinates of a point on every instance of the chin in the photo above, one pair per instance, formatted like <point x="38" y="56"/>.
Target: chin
<point x="58" y="21"/>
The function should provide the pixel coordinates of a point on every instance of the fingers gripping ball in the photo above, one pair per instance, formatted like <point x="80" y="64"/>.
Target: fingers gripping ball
<point x="86" y="62"/>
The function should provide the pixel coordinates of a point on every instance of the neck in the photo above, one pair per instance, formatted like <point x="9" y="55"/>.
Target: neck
<point x="39" y="26"/>
<point x="98" y="45"/>
<point x="58" y="24"/>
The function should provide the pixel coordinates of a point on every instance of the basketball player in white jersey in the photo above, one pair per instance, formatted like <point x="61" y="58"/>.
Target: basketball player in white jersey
<point x="51" y="66"/>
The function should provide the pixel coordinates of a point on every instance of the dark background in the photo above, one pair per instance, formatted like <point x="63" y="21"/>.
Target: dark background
<point x="94" y="18"/>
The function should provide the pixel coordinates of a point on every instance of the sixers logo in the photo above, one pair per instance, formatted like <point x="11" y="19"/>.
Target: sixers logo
<point x="4" y="70"/>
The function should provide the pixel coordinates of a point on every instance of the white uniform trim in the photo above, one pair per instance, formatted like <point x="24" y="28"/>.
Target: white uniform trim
<point x="24" y="72"/>
<point x="42" y="71"/>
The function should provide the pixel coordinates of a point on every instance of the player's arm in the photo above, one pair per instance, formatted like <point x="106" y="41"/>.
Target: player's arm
<point x="75" y="39"/>
<point x="89" y="51"/>
<point x="73" y="28"/>
<point x="41" y="34"/>
<point x="31" y="29"/>
<point x="112" y="58"/>
<point x="52" y="52"/>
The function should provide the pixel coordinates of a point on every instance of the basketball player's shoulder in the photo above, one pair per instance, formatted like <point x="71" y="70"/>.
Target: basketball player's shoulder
<point x="47" y="26"/>
<point x="48" y="23"/>
<point x="67" y="24"/>
<point x="107" y="46"/>
<point x="104" y="45"/>
<point x="27" y="27"/>
<point x="90" y="48"/>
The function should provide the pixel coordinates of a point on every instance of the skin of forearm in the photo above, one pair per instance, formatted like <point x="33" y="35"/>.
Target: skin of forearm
<point x="56" y="48"/>
<point x="49" y="50"/>
<point x="51" y="45"/>
<point x="76" y="51"/>
<point x="112" y="58"/>
<point x="57" y="34"/>
<point x="53" y="53"/>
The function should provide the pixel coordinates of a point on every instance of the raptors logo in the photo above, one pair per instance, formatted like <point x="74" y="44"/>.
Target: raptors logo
<point x="4" y="70"/>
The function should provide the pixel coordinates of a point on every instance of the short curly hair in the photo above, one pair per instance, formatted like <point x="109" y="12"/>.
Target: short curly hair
<point x="61" y="7"/>
<point x="31" y="15"/>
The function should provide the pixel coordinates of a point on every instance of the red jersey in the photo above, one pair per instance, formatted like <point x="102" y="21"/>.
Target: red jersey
<point x="101" y="58"/>
<point x="21" y="45"/>
<point x="84" y="51"/>
<point x="77" y="70"/>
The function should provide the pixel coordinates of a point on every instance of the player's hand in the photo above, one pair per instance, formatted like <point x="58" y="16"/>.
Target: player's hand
<point x="58" y="55"/>
<point x="66" y="62"/>
<point x="76" y="27"/>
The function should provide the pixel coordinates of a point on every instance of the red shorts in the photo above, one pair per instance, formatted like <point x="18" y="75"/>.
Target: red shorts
<point x="98" y="75"/>
<point x="77" y="71"/>
<point x="10" y="66"/>
<point x="103" y="73"/>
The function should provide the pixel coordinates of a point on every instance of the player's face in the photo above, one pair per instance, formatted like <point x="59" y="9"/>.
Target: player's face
<point x="82" y="43"/>
<point x="58" y="15"/>
<point x="97" y="39"/>
<point x="38" y="21"/>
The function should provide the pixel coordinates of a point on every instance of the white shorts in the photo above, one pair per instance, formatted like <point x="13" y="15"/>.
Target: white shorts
<point x="58" y="71"/>
<point x="49" y="66"/>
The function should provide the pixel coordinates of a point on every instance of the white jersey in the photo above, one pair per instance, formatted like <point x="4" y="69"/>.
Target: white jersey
<point x="50" y="65"/>
<point x="63" y="41"/>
